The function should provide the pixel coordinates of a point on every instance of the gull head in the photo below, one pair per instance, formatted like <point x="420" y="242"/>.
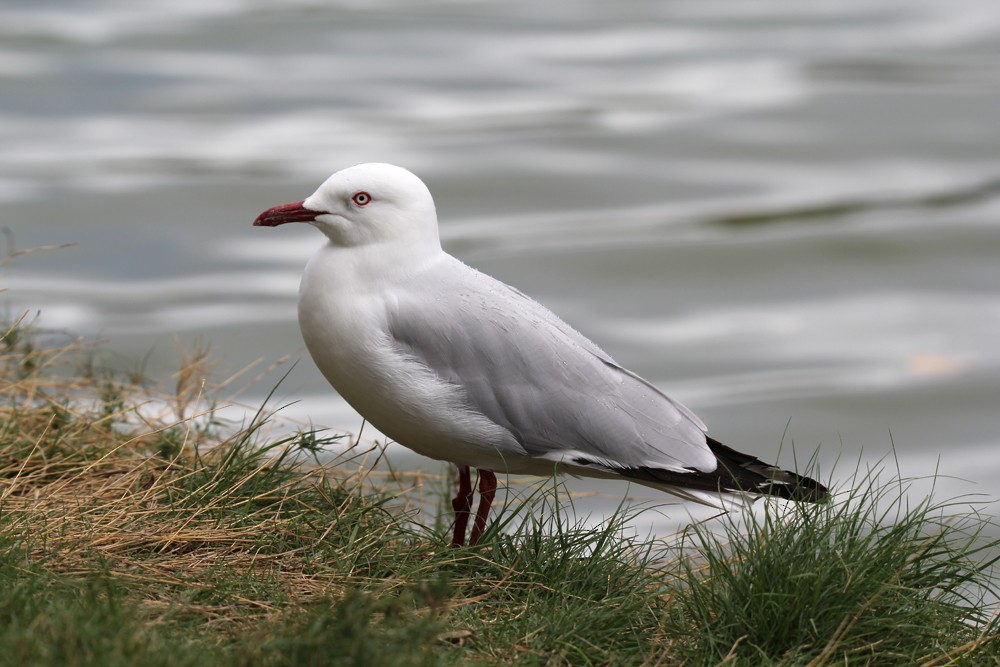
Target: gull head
<point x="365" y="205"/>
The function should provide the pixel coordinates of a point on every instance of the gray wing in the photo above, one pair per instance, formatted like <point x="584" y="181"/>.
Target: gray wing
<point x="560" y="395"/>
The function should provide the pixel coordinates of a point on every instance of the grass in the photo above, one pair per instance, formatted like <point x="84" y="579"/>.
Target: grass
<point x="129" y="536"/>
<point x="867" y="580"/>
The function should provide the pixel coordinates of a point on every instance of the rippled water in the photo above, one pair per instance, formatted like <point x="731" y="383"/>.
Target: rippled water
<point x="781" y="213"/>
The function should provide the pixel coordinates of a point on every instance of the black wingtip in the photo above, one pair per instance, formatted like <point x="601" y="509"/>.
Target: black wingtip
<point x="748" y="473"/>
<point x="736" y="472"/>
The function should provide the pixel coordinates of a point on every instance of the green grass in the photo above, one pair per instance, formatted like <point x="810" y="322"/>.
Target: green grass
<point x="865" y="580"/>
<point x="132" y="540"/>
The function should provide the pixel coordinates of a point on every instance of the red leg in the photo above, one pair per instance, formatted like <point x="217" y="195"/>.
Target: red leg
<point x="462" y="504"/>
<point x="487" y="489"/>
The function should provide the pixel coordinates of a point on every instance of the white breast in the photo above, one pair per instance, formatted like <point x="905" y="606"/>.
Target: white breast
<point x="343" y="317"/>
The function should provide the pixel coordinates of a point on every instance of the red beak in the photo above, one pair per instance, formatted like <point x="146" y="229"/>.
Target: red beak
<point x="279" y="215"/>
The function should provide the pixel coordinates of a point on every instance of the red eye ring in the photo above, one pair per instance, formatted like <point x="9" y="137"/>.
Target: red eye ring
<point x="361" y="198"/>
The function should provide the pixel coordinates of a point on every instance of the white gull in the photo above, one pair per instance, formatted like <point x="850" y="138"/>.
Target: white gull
<point x="461" y="367"/>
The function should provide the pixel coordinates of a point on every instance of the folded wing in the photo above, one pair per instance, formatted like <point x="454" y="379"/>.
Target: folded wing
<point x="556" y="392"/>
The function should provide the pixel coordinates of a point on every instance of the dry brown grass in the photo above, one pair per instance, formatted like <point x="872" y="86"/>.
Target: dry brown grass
<point x="99" y="473"/>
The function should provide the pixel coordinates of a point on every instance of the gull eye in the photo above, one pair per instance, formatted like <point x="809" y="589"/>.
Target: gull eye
<point x="361" y="198"/>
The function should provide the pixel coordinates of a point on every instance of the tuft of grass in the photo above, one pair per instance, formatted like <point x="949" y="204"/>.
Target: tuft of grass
<point x="867" y="579"/>
<point x="554" y="590"/>
<point x="141" y="529"/>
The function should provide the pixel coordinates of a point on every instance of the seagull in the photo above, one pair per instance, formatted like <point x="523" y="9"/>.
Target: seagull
<point x="461" y="367"/>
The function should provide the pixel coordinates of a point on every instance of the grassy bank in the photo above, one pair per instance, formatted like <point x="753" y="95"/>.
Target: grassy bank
<point x="128" y="538"/>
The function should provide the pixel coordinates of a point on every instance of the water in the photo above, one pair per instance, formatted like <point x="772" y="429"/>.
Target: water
<point x="785" y="215"/>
